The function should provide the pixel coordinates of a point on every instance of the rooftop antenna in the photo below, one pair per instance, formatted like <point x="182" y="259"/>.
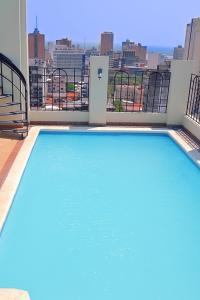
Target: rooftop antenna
<point x="36" y="26"/>
<point x="84" y="43"/>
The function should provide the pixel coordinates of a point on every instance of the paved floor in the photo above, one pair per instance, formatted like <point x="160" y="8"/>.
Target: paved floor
<point x="9" y="148"/>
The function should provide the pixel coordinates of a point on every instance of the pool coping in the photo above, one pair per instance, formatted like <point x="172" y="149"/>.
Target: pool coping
<point x="13" y="294"/>
<point x="10" y="185"/>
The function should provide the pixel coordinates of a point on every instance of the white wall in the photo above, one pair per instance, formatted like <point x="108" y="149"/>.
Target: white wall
<point x="13" y="35"/>
<point x="59" y="116"/>
<point x="135" y="118"/>
<point x="10" y="31"/>
<point x="24" y="43"/>
<point x="181" y="71"/>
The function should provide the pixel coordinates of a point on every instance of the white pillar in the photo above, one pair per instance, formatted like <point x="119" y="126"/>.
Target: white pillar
<point x="98" y="89"/>
<point x="181" y="71"/>
<point x="13" y="34"/>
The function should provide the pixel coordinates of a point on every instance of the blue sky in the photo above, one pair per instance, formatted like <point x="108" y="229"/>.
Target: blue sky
<point x="151" y="22"/>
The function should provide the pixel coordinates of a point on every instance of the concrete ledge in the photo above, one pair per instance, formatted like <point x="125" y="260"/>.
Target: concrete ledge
<point x="13" y="294"/>
<point x="187" y="145"/>
<point x="58" y="123"/>
<point x="76" y="117"/>
<point x="135" y="118"/>
<point x="192" y="127"/>
<point x="59" y="116"/>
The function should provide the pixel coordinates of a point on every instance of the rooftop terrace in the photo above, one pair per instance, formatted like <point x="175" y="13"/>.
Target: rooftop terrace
<point x="96" y="98"/>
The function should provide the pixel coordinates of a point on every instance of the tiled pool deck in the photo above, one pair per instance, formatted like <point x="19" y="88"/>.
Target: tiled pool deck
<point x="9" y="149"/>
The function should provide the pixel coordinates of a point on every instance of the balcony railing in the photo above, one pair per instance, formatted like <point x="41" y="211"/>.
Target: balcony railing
<point x="141" y="91"/>
<point x="58" y="89"/>
<point x="193" y="105"/>
<point x="14" y="99"/>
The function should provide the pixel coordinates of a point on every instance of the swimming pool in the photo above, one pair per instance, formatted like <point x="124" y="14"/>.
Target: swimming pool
<point x="101" y="216"/>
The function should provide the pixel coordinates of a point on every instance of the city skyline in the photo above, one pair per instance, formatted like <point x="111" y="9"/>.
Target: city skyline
<point x="97" y="45"/>
<point x="143" y="22"/>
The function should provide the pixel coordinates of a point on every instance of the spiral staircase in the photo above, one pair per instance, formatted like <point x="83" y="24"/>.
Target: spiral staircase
<point x="13" y="100"/>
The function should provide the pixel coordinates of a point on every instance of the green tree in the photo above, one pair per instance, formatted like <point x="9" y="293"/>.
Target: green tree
<point x="118" y="106"/>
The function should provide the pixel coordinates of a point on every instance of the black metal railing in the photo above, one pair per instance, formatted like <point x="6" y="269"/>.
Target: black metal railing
<point x="193" y="105"/>
<point x="138" y="91"/>
<point x="13" y="85"/>
<point x="59" y="89"/>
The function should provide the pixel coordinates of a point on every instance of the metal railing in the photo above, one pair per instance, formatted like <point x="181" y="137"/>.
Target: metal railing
<point x="193" y="105"/>
<point x="13" y="85"/>
<point x="139" y="91"/>
<point x="58" y="89"/>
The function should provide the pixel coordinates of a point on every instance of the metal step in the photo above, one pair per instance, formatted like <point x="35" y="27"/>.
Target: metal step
<point x="9" y="104"/>
<point x="5" y="96"/>
<point x="22" y="133"/>
<point x="13" y="113"/>
<point x="13" y="122"/>
<point x="14" y="130"/>
<point x="20" y="130"/>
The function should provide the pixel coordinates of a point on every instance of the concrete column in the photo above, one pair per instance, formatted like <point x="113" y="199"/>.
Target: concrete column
<point x="98" y="89"/>
<point x="13" y="34"/>
<point x="181" y="71"/>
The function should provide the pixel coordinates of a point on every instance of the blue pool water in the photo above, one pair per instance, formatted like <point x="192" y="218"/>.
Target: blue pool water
<point x="104" y="217"/>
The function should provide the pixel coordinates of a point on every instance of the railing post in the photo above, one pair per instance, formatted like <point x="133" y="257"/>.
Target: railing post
<point x="98" y="89"/>
<point x="181" y="71"/>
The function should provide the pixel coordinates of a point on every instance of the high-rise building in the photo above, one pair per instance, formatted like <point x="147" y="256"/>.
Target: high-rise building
<point x="92" y="52"/>
<point x="178" y="53"/>
<point x="37" y="80"/>
<point x="37" y="64"/>
<point x="107" y="40"/>
<point x="50" y="47"/>
<point x="71" y="59"/>
<point x="49" y="54"/>
<point x="68" y="58"/>
<point x="192" y="41"/>
<point x="155" y="59"/>
<point x="140" y="51"/>
<point x="115" y="60"/>
<point x="64" y="42"/>
<point x="156" y="91"/>
<point x="133" y="54"/>
<point x="36" y="44"/>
